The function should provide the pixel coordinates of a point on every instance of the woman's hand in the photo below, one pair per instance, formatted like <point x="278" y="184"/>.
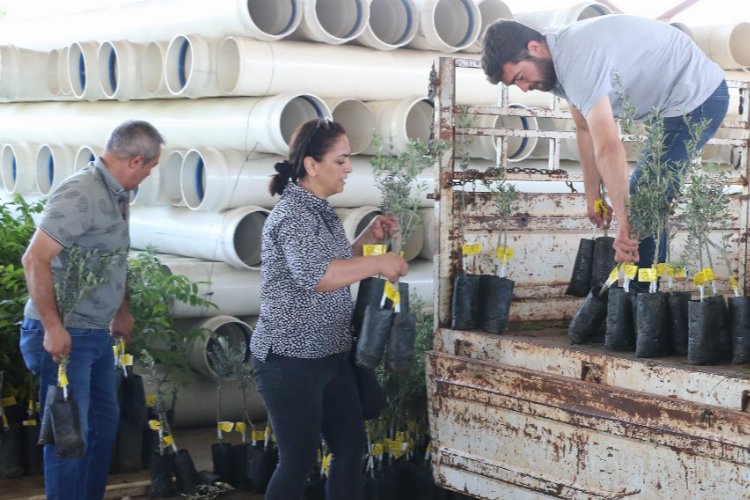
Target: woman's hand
<point x="382" y="226"/>
<point x="393" y="266"/>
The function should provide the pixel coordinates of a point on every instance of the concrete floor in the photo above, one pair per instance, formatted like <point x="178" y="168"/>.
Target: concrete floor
<point x="130" y="485"/>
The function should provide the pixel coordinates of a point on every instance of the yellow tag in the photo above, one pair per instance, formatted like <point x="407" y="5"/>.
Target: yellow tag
<point x="647" y="275"/>
<point x="662" y="268"/>
<point x="614" y="274"/>
<point x="226" y="426"/>
<point x="400" y="436"/>
<point x="600" y="207"/>
<point x="240" y="427"/>
<point x="151" y="399"/>
<point x="699" y="279"/>
<point x="733" y="282"/>
<point x="116" y="350"/>
<point x="259" y="435"/>
<point x="154" y="425"/>
<point x="472" y="248"/>
<point x="391" y="292"/>
<point x="679" y="272"/>
<point x="9" y="401"/>
<point x="377" y="449"/>
<point x="29" y="423"/>
<point x="368" y="250"/>
<point x="167" y="440"/>
<point x="708" y="274"/>
<point x="62" y="377"/>
<point x="505" y="253"/>
<point x="326" y="464"/>
<point x="395" y="448"/>
<point x="630" y="270"/>
<point x="127" y="360"/>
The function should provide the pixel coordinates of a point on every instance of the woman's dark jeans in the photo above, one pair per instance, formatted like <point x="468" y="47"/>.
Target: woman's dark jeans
<point x="304" y="398"/>
<point x="676" y="137"/>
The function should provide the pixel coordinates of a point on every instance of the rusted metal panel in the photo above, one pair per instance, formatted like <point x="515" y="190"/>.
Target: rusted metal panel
<point x="565" y="437"/>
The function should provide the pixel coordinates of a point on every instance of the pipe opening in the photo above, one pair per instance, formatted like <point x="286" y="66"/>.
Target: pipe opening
<point x="392" y="22"/>
<point x="519" y="148"/>
<point x="455" y="22"/>
<point x="80" y="73"/>
<point x="193" y="179"/>
<point x="297" y="111"/>
<point x="178" y="64"/>
<point x="238" y="338"/>
<point x="183" y="64"/>
<point x="170" y="169"/>
<point x="84" y="156"/>
<point x="341" y="21"/>
<point x="275" y="17"/>
<point x="112" y="73"/>
<point x="9" y="168"/>
<point x="358" y="121"/>
<point x="247" y="242"/>
<point x="419" y="120"/>
<point x="593" y="10"/>
<point x="45" y="170"/>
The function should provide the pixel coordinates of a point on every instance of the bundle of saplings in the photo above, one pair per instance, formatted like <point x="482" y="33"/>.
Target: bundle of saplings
<point x="387" y="322"/>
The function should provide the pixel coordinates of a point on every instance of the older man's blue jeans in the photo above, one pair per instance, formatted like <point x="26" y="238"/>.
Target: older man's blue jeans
<point x="91" y="375"/>
<point x="677" y="135"/>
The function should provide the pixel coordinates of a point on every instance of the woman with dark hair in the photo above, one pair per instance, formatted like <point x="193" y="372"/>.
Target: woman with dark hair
<point x="302" y="342"/>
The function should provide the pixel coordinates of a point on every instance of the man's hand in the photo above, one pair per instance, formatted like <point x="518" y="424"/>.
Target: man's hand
<point x="626" y="248"/>
<point x="122" y="324"/>
<point x="57" y="343"/>
<point x="600" y="213"/>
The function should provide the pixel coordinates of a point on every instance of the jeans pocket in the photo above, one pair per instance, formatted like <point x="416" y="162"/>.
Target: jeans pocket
<point x="80" y="332"/>
<point x="32" y="348"/>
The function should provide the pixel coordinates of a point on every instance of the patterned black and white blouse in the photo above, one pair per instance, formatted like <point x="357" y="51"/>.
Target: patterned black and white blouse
<point x="301" y="237"/>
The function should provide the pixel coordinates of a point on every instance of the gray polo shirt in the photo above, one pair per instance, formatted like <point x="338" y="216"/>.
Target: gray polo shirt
<point x="660" y="66"/>
<point x="85" y="211"/>
<point x="301" y="238"/>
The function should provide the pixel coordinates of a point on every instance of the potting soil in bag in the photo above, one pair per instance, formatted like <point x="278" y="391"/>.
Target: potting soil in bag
<point x="11" y="439"/>
<point x="66" y="425"/>
<point x="32" y="453"/>
<point x="185" y="473"/>
<point x="725" y="335"/>
<point x="162" y="471"/>
<point x="495" y="296"/>
<point x="262" y="466"/>
<point x="400" y="353"/>
<point x="372" y="340"/>
<point x="370" y="292"/>
<point x="589" y="317"/>
<point x="603" y="261"/>
<point x="620" y="334"/>
<point x="132" y="398"/>
<point x="580" y="279"/>
<point x="703" y="334"/>
<point x="739" y="325"/>
<point x="221" y="455"/>
<point x="652" y="325"/>
<point x="465" y="302"/>
<point x="45" y="426"/>
<point x="129" y="447"/>
<point x="678" y="321"/>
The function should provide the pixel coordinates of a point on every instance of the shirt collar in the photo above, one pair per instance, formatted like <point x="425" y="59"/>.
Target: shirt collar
<point x="299" y="193"/>
<point x="110" y="180"/>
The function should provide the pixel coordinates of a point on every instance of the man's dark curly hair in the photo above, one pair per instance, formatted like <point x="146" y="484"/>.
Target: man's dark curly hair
<point x="505" y="41"/>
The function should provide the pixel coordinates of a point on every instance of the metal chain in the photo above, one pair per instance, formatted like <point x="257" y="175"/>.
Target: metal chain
<point x="558" y="172"/>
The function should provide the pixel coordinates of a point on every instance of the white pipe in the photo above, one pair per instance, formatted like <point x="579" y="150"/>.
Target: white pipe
<point x="518" y="148"/>
<point x="332" y="21"/>
<point x="170" y="166"/>
<point x="58" y="82"/>
<point x="392" y="24"/>
<point x="23" y="75"/>
<point x="398" y="122"/>
<point x="236" y="332"/>
<point x="233" y="236"/>
<point x="18" y="162"/>
<point x="190" y="66"/>
<point x="357" y="118"/>
<point x="152" y="72"/>
<point x="234" y="291"/>
<point x="214" y="180"/>
<point x="361" y="190"/>
<point x="552" y="20"/>
<point x="253" y="68"/>
<point x="146" y="20"/>
<point x="429" y="247"/>
<point x="125" y="68"/>
<point x="728" y="45"/>
<point x="54" y="163"/>
<point x="447" y="25"/>
<point x="83" y="156"/>
<point x="247" y="124"/>
<point x="355" y="220"/>
<point x="489" y="12"/>
<point x="83" y="70"/>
